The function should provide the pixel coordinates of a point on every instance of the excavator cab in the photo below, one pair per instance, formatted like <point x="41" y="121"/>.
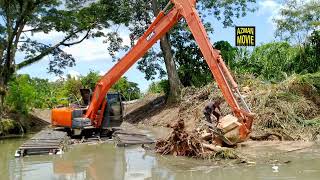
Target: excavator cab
<point x="72" y="117"/>
<point x="113" y="113"/>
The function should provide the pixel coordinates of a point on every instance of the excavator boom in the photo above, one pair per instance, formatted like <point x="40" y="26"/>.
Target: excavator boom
<point x="162" y="24"/>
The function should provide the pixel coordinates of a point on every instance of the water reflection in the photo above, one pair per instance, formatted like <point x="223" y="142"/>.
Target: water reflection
<point x="87" y="162"/>
<point x="105" y="161"/>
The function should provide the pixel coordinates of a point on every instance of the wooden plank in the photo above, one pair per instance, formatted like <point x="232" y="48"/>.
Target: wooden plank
<point x="137" y="141"/>
<point x="47" y="142"/>
<point x="31" y="144"/>
<point x="218" y="132"/>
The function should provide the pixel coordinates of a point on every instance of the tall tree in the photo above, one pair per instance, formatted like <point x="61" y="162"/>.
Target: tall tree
<point x="165" y="45"/>
<point x="145" y="11"/>
<point x="78" y="20"/>
<point x="298" y="19"/>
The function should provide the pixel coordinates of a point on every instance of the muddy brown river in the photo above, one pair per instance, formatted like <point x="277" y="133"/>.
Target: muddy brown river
<point x="105" y="161"/>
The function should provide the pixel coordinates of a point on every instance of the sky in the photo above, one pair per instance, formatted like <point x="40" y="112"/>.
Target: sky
<point x="92" y="54"/>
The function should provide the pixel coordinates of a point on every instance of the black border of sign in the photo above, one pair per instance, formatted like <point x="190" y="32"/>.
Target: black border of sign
<point x="235" y="33"/>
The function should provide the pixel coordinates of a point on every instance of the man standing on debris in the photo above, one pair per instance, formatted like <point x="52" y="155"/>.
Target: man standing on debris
<point x="213" y="108"/>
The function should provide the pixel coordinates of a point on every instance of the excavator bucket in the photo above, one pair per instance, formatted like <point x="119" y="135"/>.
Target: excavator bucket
<point x="229" y="130"/>
<point x="230" y="127"/>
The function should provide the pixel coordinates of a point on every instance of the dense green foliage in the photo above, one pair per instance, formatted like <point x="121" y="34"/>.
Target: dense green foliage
<point x="160" y="87"/>
<point x="273" y="61"/>
<point x="8" y="126"/>
<point x="74" y="20"/>
<point x="278" y="60"/>
<point x="297" y="19"/>
<point x="22" y="94"/>
<point x="90" y="80"/>
<point x="26" y="93"/>
<point x="129" y="90"/>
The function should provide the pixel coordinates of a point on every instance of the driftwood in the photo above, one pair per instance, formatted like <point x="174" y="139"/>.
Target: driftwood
<point x="181" y="143"/>
<point x="212" y="147"/>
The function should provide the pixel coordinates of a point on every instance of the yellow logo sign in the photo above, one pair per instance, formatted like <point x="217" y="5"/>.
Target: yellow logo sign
<point x="245" y="36"/>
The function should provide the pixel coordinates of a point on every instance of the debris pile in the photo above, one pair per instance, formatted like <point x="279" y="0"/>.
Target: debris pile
<point x="196" y="144"/>
<point x="288" y="110"/>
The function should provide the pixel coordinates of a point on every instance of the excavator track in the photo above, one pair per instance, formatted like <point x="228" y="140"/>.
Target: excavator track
<point x="47" y="141"/>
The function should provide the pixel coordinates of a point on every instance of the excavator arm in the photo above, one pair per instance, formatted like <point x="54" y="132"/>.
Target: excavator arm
<point x="161" y="25"/>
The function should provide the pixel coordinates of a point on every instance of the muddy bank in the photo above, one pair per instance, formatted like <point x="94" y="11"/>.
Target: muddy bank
<point x="10" y="128"/>
<point x="15" y="125"/>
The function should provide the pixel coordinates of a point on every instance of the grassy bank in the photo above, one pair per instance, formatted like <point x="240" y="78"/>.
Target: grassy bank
<point x="291" y="107"/>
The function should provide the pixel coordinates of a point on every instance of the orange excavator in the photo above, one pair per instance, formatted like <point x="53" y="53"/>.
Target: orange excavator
<point x="101" y="109"/>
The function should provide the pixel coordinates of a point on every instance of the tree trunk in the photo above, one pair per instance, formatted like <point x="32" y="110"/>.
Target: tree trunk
<point x="174" y="81"/>
<point x="2" y="95"/>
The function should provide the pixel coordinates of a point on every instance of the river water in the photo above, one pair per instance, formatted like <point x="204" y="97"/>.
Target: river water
<point x="105" y="161"/>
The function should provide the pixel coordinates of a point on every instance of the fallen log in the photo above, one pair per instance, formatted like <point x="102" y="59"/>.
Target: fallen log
<point x="212" y="147"/>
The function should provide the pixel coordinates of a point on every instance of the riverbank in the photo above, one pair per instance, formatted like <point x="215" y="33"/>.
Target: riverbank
<point x="249" y="153"/>
<point x="16" y="125"/>
<point x="285" y="111"/>
<point x="288" y="110"/>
